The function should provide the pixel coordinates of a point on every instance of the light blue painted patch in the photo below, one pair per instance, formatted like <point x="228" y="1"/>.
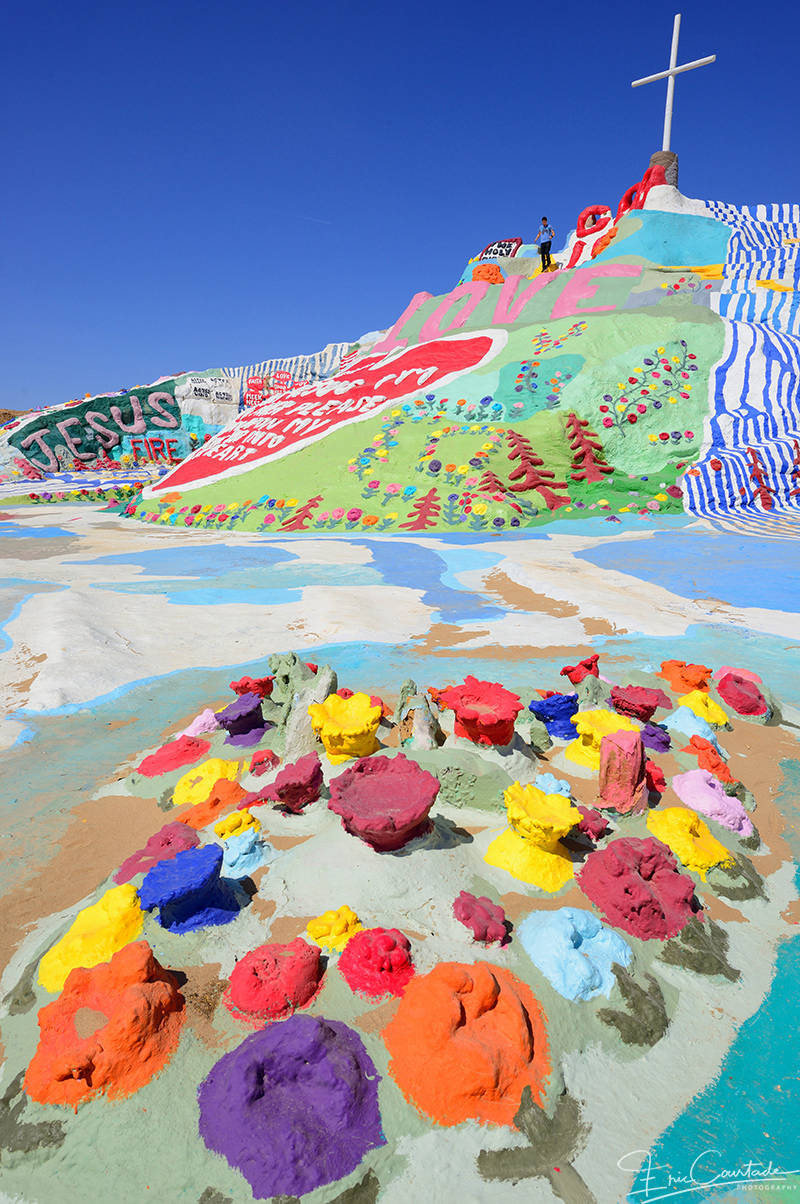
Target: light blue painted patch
<point x="522" y="398"/>
<point x="550" y="784"/>
<point x="14" y="593"/>
<point x="669" y="238"/>
<point x="415" y="566"/>
<point x="207" y="560"/>
<point x="574" y="951"/>
<point x="16" y="531"/>
<point x="244" y="853"/>
<point x="703" y="565"/>
<point x="684" y="720"/>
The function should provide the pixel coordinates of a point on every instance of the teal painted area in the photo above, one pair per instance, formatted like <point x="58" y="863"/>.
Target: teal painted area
<point x="668" y="238"/>
<point x="524" y="390"/>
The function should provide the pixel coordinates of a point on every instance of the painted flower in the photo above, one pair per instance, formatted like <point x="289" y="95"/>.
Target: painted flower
<point x="337" y="515"/>
<point x="393" y="489"/>
<point x="409" y="491"/>
<point x="354" y="515"/>
<point x="607" y="421"/>
<point x="369" y="520"/>
<point x="479" y="508"/>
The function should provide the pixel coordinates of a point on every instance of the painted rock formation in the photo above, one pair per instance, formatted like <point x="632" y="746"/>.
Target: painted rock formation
<point x="654" y="778"/>
<point x="585" y="668"/>
<point x="656" y="737"/>
<point x="245" y="852"/>
<point x="236" y="823"/>
<point x="550" y="784"/>
<point x="346" y="726"/>
<point x="223" y="795"/>
<point x="174" y="755"/>
<point x="484" y="711"/>
<point x="243" y="721"/>
<point x="591" y="727"/>
<point x="742" y="695"/>
<point x="593" y="823"/>
<point x="111" y="1029"/>
<point x="195" y="785"/>
<point x="556" y="712"/>
<point x="702" y="704"/>
<point x="683" y="677"/>
<point x="260" y="686"/>
<point x="485" y="919"/>
<point x="622" y="772"/>
<point x="530" y="848"/>
<point x="161" y="846"/>
<point x="684" y="832"/>
<point x="202" y="724"/>
<point x="297" y="785"/>
<point x="333" y="929"/>
<point x="637" y="702"/>
<point x="376" y="962"/>
<point x="188" y="891"/>
<point x="385" y="800"/>
<point x="273" y="981"/>
<point x="94" y="936"/>
<point x="708" y="758"/>
<point x="574" y="951"/>
<point x="701" y="791"/>
<point x="465" y="1041"/>
<point x="263" y="761"/>
<point x="636" y="886"/>
<point x="293" y="1107"/>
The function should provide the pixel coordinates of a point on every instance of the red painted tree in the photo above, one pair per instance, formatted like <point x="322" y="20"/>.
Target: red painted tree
<point x="762" y="490"/>
<point x="425" y="511"/>
<point x="796" y="470"/>
<point x="587" y="450"/>
<point x="491" y="483"/>
<point x="301" y="518"/>
<point x="29" y="471"/>
<point x="530" y="473"/>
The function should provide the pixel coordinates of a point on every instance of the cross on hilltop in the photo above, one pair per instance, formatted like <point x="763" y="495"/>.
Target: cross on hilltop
<point x="669" y="76"/>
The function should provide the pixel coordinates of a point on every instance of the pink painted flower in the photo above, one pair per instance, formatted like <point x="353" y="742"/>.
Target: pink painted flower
<point x="393" y="489"/>
<point x="607" y="421"/>
<point x="337" y="515"/>
<point x="354" y="515"/>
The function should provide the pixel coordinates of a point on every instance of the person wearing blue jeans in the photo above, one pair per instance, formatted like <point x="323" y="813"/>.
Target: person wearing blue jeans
<point x="545" y="239"/>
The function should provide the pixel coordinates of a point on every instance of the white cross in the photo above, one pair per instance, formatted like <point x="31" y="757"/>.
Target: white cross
<point x="669" y="76"/>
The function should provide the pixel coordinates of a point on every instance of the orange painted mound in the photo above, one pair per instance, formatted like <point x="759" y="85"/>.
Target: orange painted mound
<point x="110" y="1030"/>
<point x="224" y="796"/>
<point x="465" y="1041"/>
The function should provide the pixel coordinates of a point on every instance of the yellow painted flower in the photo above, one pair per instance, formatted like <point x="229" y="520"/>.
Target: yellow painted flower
<point x="95" y="935"/>
<point x="653" y="438"/>
<point x="620" y="406"/>
<point x="480" y="508"/>
<point x="392" y="514"/>
<point x="346" y="726"/>
<point x="660" y="497"/>
<point x="381" y="453"/>
<point x="673" y="401"/>
<point x="333" y="929"/>
<point x="660" y="350"/>
<point x="463" y="469"/>
<point x="487" y="446"/>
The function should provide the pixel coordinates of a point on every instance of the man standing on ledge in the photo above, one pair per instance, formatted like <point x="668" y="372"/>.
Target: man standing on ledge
<point x="545" y="238"/>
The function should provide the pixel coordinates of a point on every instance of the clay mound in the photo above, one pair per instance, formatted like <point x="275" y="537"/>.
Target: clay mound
<point x="293" y="1107"/>
<point x="188" y="890"/>
<point x="161" y="846"/>
<point x="485" y="919"/>
<point x="465" y="1042"/>
<point x="174" y="755"/>
<point x="274" y="980"/>
<point x="377" y="961"/>
<point x="384" y="800"/>
<point x="110" y="1030"/>
<point x="636" y="885"/>
<point x="485" y="711"/>
<point x="297" y="785"/>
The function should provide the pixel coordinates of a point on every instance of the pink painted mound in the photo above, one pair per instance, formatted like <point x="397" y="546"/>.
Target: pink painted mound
<point x="585" y="668"/>
<point x="183" y="751"/>
<point x="110" y="1030"/>
<point x="638" y="702"/>
<point x="742" y="695"/>
<point x="384" y="800"/>
<point x="273" y="981"/>
<point x="263" y="761"/>
<point x="485" y="711"/>
<point x="622" y="772"/>
<point x="163" y="845"/>
<point x="297" y="785"/>
<point x="486" y="919"/>
<point x="593" y="823"/>
<point x="703" y="792"/>
<point x="636" y="886"/>
<point x="377" y="961"/>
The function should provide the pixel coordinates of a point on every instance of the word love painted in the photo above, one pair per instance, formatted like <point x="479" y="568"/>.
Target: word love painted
<point x="306" y="412"/>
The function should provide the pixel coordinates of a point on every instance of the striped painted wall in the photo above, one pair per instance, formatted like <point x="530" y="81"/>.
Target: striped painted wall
<point x="302" y="367"/>
<point x="749" y="466"/>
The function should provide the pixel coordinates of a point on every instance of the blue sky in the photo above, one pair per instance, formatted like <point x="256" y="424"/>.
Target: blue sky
<point x="198" y="185"/>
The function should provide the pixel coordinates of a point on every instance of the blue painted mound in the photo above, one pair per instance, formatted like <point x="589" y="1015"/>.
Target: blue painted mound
<point x="555" y="713"/>
<point x="189" y="892"/>
<point x="574" y="951"/>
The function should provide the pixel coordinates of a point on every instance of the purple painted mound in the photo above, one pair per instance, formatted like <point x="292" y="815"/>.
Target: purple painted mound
<point x="384" y="800"/>
<point x="656" y="737"/>
<point x="189" y="892"/>
<point x="297" y="785"/>
<point x="161" y="846"/>
<point x="293" y="1107"/>
<point x="243" y="721"/>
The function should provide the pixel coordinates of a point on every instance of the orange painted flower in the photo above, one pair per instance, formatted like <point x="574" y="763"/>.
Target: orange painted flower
<point x="369" y="520"/>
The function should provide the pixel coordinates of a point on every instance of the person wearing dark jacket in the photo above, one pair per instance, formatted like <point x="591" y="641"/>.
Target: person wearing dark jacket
<point x="545" y="240"/>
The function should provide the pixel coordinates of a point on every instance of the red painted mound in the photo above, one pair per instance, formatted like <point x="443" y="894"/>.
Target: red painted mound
<point x="485" y="711"/>
<point x="297" y="785"/>
<point x="485" y="919"/>
<point x="384" y="800"/>
<point x="273" y="981"/>
<point x="110" y="1030"/>
<point x="465" y="1041"/>
<point x="183" y="751"/>
<point x="377" y="961"/>
<point x="742" y="694"/>
<point x="636" y="885"/>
